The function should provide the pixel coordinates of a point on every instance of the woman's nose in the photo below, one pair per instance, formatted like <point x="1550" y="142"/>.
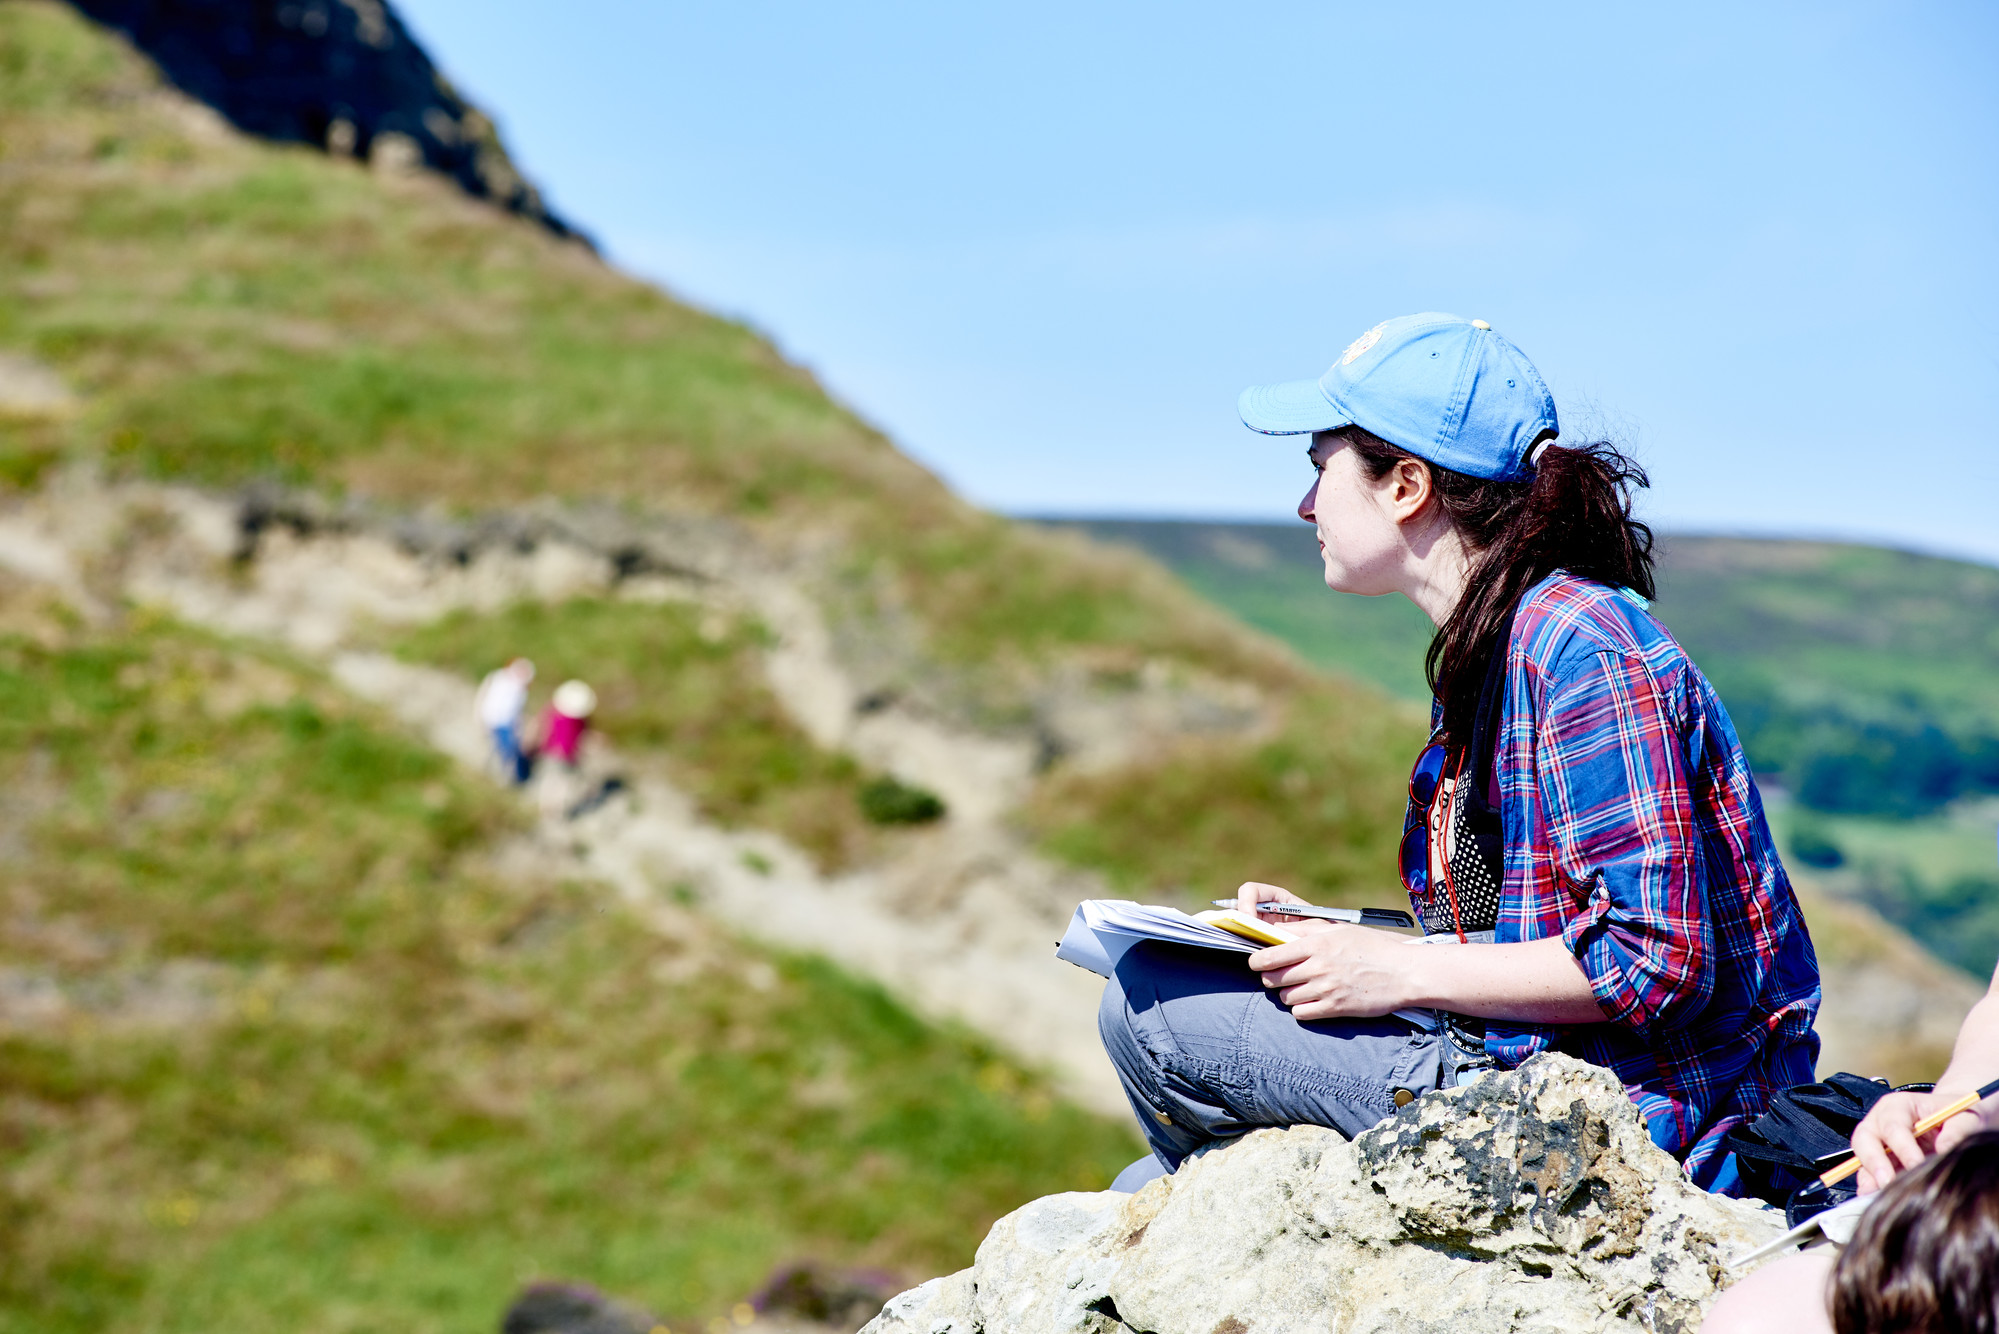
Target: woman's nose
<point x="1307" y="507"/>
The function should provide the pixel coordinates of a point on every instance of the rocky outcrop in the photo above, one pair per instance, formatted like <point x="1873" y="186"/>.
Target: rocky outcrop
<point x="342" y="75"/>
<point x="1528" y="1201"/>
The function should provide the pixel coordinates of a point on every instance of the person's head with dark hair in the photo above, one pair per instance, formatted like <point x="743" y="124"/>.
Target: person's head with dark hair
<point x="1573" y="514"/>
<point x="1925" y="1259"/>
<point x="1444" y="430"/>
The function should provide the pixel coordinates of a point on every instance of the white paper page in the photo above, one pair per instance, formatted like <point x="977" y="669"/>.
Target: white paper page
<point x="1103" y="929"/>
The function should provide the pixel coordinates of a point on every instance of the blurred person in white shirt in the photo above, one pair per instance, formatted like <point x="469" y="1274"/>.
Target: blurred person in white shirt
<point x="502" y="699"/>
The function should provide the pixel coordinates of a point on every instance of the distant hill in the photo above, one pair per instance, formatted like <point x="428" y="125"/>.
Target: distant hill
<point x="1864" y="682"/>
<point x="1269" y="575"/>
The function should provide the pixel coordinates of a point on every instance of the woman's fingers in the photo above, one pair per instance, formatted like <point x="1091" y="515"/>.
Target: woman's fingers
<point x="1316" y="1010"/>
<point x="1899" y="1139"/>
<point x="1307" y="975"/>
<point x="1291" y="975"/>
<point x="1274" y="957"/>
<point x="1885" y="1142"/>
<point x="1337" y="971"/>
<point x="1253" y="892"/>
<point x="1311" y="989"/>
<point x="1294" y="970"/>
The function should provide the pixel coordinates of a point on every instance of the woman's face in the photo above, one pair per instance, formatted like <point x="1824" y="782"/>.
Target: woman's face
<point x="1360" y="540"/>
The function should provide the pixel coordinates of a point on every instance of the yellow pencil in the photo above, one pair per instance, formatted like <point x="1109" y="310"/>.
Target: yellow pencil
<point x="1923" y="1127"/>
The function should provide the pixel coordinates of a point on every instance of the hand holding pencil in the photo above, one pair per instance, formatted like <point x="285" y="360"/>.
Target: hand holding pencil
<point x="1917" y="1131"/>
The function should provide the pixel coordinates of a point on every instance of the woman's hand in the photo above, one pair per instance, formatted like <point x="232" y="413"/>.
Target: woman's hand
<point x="1337" y="971"/>
<point x="1253" y="892"/>
<point x="1334" y="970"/>
<point x="1886" y="1142"/>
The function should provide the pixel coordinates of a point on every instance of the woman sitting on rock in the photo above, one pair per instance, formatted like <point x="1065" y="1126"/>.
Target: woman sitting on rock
<point x="1585" y="845"/>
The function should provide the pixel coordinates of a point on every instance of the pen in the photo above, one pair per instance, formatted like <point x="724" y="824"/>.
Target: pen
<point x="1357" y="916"/>
<point x="1923" y="1127"/>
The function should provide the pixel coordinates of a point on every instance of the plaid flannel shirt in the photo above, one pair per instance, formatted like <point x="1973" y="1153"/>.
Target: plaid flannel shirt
<point x="1635" y="835"/>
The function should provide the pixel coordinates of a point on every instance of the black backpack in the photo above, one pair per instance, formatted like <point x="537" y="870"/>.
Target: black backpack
<point x="1807" y="1131"/>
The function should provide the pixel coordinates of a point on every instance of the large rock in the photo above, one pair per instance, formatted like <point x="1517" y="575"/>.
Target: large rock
<point x="1529" y="1201"/>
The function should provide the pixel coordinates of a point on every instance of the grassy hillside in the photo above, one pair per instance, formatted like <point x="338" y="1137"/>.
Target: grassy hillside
<point x="281" y="1049"/>
<point x="1316" y="808"/>
<point x="278" y="1052"/>
<point x="232" y="312"/>
<point x="1864" y="682"/>
<point x="1933" y="876"/>
<point x="235" y="311"/>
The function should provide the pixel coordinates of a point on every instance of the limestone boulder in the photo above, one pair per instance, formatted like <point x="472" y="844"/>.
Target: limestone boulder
<point x="1531" y="1200"/>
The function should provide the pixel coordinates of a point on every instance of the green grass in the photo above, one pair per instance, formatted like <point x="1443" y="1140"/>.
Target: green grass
<point x="686" y="687"/>
<point x="315" y="1069"/>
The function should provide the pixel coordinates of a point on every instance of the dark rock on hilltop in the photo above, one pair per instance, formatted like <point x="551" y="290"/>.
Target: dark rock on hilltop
<point x="343" y="75"/>
<point x="572" y="1308"/>
<point x="812" y="1294"/>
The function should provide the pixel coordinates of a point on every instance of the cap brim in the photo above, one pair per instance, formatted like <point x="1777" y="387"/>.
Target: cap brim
<point x="1294" y="408"/>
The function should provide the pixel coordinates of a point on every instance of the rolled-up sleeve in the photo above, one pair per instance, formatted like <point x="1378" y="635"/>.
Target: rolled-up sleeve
<point x="1614" y="780"/>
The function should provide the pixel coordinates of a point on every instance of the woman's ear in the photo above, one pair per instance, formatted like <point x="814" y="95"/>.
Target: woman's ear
<point x="1410" y="490"/>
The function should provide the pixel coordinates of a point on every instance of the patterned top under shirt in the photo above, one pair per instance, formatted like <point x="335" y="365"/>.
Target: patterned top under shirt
<point x="1474" y="878"/>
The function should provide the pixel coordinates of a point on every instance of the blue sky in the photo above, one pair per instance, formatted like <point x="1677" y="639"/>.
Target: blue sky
<point x="1044" y="245"/>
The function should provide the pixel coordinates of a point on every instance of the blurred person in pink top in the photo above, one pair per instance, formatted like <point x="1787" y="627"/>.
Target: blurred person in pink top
<point x="563" y="724"/>
<point x="567" y="718"/>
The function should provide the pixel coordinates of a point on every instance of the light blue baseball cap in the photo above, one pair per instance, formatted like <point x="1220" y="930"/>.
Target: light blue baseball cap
<point x="1446" y="389"/>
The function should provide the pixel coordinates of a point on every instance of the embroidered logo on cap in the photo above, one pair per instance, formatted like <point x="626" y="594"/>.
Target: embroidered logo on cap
<point x="1362" y="344"/>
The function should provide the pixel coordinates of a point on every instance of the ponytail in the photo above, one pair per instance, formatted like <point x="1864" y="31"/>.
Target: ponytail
<point x="1574" y="515"/>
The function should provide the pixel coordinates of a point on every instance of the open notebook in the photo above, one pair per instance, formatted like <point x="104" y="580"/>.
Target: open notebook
<point x="1103" y="929"/>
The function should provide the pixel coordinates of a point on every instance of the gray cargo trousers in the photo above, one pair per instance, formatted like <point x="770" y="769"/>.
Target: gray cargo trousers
<point x="1205" y="1053"/>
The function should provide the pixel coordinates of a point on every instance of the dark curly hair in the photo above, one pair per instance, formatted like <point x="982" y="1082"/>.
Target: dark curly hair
<point x="1925" y="1259"/>
<point x="1574" y="515"/>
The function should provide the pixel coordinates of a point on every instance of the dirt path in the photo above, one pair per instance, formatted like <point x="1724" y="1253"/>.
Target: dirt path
<point x="961" y="923"/>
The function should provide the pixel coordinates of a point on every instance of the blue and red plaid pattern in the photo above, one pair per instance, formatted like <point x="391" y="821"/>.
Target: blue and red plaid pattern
<point x="1635" y="834"/>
